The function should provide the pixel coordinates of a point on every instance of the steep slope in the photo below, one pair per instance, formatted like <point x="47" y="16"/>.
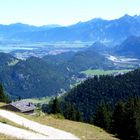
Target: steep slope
<point x="90" y="93"/>
<point x="79" y="61"/>
<point x="99" y="47"/>
<point x="37" y="77"/>
<point x="82" y="130"/>
<point x="40" y="131"/>
<point x="78" y="128"/>
<point x="130" y="47"/>
<point x="6" y="59"/>
<point x="33" y="78"/>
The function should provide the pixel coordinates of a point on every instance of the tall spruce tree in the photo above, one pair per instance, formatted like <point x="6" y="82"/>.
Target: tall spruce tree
<point x="132" y="119"/>
<point x="118" y="119"/>
<point x="70" y="112"/>
<point x="137" y="116"/>
<point x="3" y="97"/>
<point x="102" y="116"/>
<point x="55" y="107"/>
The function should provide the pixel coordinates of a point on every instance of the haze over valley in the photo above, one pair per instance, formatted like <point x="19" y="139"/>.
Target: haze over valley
<point x="72" y="67"/>
<point x="65" y="53"/>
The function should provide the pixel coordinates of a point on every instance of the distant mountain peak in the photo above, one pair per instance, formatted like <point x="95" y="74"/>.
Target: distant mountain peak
<point x="130" y="47"/>
<point x="126" y="16"/>
<point x="18" y="24"/>
<point x="51" y="26"/>
<point x="97" y="29"/>
<point x="95" y="20"/>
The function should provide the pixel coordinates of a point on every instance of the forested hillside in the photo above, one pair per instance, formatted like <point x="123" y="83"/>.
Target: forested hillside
<point x="88" y="95"/>
<point x="79" y="61"/>
<point x="47" y="76"/>
<point x="31" y="78"/>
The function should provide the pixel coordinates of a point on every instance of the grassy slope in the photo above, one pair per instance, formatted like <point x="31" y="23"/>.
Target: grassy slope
<point x="39" y="100"/>
<point x="4" y="137"/>
<point x="2" y="104"/>
<point x="102" y="72"/>
<point x="6" y="121"/>
<point x="81" y="130"/>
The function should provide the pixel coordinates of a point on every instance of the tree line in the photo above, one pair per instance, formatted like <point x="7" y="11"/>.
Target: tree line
<point x="95" y="101"/>
<point x="123" y="120"/>
<point x="87" y="96"/>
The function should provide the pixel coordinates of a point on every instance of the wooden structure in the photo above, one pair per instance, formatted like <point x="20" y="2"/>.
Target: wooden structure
<point x="20" y="106"/>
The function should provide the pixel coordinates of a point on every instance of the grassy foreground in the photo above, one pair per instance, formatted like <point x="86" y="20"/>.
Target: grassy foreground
<point x="82" y="130"/>
<point x="6" y="121"/>
<point x="2" y="104"/>
<point x="4" y="137"/>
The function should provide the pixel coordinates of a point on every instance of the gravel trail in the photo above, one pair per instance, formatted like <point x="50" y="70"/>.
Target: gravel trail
<point x="42" y="130"/>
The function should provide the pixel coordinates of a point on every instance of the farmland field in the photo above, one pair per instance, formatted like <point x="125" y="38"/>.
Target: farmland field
<point x="39" y="100"/>
<point x="90" y="72"/>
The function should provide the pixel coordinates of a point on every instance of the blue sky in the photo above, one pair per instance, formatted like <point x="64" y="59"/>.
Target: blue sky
<point x="64" y="12"/>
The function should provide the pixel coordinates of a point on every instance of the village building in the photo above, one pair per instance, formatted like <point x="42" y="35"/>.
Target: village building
<point x="21" y="106"/>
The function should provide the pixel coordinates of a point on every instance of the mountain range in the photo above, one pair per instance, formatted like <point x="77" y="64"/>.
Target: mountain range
<point x="94" y="30"/>
<point x="46" y="76"/>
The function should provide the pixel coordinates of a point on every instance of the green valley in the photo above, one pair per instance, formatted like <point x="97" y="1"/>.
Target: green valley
<point x="91" y="72"/>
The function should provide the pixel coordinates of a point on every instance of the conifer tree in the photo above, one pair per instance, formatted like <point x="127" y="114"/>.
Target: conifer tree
<point x="118" y="119"/>
<point x="55" y="108"/>
<point x="132" y="119"/>
<point x="102" y="117"/>
<point x="3" y="97"/>
<point x="70" y="112"/>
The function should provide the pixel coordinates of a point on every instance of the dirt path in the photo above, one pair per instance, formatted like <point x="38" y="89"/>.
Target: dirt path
<point x="47" y="131"/>
<point x="19" y="133"/>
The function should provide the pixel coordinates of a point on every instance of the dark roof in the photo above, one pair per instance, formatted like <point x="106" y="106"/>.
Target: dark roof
<point x="23" y="106"/>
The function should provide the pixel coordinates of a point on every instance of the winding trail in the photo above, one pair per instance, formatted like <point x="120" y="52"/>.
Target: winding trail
<point x="42" y="131"/>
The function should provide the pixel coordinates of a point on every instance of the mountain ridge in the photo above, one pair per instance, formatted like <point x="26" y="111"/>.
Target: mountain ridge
<point x="96" y="29"/>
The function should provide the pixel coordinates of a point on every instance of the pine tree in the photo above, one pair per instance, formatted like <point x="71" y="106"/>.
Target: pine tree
<point x="19" y="98"/>
<point x="132" y="119"/>
<point x="137" y="116"/>
<point x="3" y="97"/>
<point x="78" y="116"/>
<point x="118" y="119"/>
<point x="102" y="117"/>
<point x="70" y="112"/>
<point x="55" y="107"/>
